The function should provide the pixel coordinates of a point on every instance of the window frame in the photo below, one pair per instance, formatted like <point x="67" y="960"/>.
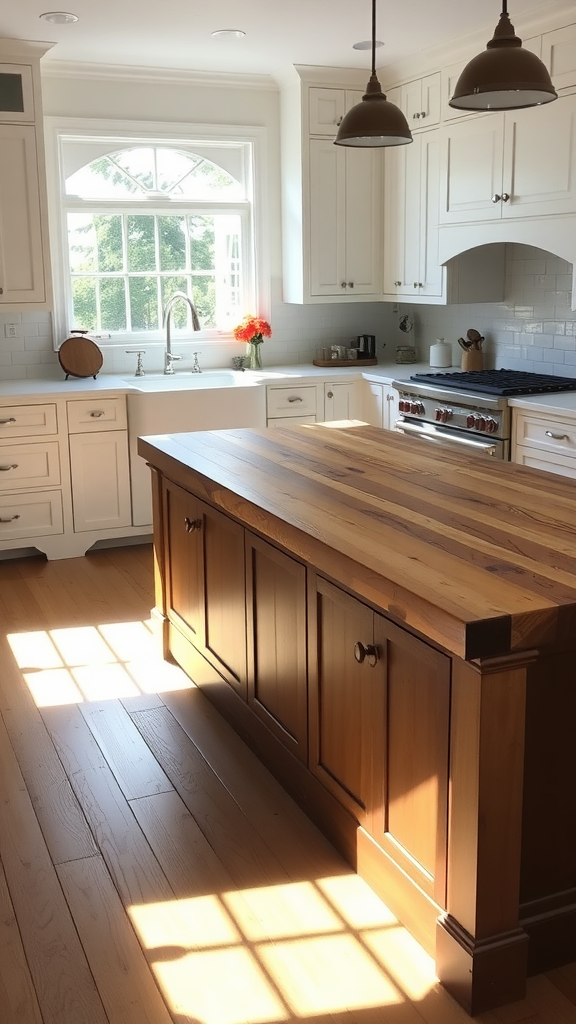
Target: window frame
<point x="177" y="135"/>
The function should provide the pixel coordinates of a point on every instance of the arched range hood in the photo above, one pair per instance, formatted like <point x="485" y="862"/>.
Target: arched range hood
<point x="556" y="235"/>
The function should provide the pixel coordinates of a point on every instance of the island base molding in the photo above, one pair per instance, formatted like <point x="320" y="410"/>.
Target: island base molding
<point x="481" y="974"/>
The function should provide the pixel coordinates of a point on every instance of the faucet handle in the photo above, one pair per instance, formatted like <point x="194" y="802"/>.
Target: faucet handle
<point x="137" y="352"/>
<point x="196" y="366"/>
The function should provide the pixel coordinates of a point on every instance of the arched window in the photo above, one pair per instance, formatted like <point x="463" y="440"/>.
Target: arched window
<point x="145" y="220"/>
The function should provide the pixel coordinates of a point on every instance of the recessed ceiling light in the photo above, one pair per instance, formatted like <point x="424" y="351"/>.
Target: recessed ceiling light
<point x="58" y="17"/>
<point x="233" y="33"/>
<point x="366" y="44"/>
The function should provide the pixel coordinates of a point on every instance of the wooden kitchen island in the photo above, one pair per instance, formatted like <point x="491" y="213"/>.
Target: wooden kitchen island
<point x="393" y="631"/>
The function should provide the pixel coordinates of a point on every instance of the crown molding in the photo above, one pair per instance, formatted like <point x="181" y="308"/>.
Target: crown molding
<point x="159" y="76"/>
<point x="24" y="47"/>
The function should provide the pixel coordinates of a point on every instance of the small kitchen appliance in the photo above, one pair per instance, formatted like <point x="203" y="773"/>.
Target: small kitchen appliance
<point x="366" y="344"/>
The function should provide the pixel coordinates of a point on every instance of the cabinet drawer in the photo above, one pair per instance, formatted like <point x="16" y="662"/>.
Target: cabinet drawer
<point x="29" y="465"/>
<point x="289" y="421"/>
<point x="548" y="435"/>
<point x="27" y="420"/>
<point x="30" y="515"/>
<point x="548" y="461"/>
<point x="96" y="414"/>
<point x="298" y="401"/>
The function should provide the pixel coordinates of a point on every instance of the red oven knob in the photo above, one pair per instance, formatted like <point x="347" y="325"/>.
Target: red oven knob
<point x="417" y="408"/>
<point x="480" y="423"/>
<point x="470" y="420"/>
<point x="491" y="425"/>
<point x="438" y="414"/>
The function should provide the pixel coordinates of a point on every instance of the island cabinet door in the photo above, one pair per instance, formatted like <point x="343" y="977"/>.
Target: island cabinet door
<point x="277" y="674"/>
<point x="347" y="689"/>
<point x="205" y="584"/>
<point x="410" y="795"/>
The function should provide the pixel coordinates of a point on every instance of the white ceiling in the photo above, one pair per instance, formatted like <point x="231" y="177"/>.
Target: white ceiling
<point x="279" y="33"/>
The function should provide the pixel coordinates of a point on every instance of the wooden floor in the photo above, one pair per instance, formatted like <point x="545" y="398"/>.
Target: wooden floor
<point x="151" y="871"/>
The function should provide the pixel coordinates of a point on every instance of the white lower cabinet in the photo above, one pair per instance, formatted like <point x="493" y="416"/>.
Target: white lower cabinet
<point x="544" y="441"/>
<point x="380" y="403"/>
<point x="291" y="405"/>
<point x="99" y="464"/>
<point x="342" y="401"/>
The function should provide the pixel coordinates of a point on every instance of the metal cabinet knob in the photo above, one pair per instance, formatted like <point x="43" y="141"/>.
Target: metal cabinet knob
<point x="192" y="524"/>
<point x="329" y="394"/>
<point x="369" y="651"/>
<point x="343" y="284"/>
<point x="397" y="283"/>
<point x="505" y="197"/>
<point x="350" y="284"/>
<point x="496" y="198"/>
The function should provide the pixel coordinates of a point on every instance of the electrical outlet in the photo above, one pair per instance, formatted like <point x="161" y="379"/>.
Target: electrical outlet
<point x="10" y="330"/>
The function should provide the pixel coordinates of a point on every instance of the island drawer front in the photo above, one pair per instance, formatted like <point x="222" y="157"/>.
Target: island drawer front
<point x="29" y="465"/>
<point x="96" y="414"/>
<point x="35" y="514"/>
<point x="552" y="435"/>
<point x="27" y="420"/>
<point x="298" y="401"/>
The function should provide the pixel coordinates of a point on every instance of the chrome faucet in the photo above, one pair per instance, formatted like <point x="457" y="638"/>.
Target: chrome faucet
<point x="169" y="356"/>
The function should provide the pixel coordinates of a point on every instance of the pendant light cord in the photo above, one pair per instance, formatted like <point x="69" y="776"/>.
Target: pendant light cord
<point x="373" y="37"/>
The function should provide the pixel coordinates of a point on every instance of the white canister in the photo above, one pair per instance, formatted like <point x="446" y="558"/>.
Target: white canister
<point x="440" y="353"/>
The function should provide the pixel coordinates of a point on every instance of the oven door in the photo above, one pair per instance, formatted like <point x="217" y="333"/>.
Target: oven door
<point x="457" y="440"/>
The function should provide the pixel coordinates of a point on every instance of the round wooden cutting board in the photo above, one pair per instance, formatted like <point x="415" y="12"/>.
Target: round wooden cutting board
<point x="80" y="357"/>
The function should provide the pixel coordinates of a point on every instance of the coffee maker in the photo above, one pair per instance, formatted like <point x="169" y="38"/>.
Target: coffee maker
<point x="366" y="345"/>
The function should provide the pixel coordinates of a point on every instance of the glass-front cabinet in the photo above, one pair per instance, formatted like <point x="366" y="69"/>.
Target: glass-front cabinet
<point x="16" y="93"/>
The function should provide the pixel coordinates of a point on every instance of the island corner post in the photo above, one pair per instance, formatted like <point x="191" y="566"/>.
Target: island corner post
<point x="502" y="904"/>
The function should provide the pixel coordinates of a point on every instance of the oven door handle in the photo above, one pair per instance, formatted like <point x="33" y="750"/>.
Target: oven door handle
<point x="430" y="433"/>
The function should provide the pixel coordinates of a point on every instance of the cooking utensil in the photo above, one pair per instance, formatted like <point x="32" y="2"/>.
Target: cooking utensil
<point x="466" y="345"/>
<point x="475" y="338"/>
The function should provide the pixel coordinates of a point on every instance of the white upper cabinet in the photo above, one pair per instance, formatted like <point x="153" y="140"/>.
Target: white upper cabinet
<point x="559" y="55"/>
<point x="345" y="231"/>
<point x="332" y="199"/>
<point x="521" y="163"/>
<point x="327" y="108"/>
<point x="419" y="101"/>
<point x="24" y="249"/>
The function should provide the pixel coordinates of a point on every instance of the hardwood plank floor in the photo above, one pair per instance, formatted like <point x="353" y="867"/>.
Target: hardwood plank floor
<point x="151" y="870"/>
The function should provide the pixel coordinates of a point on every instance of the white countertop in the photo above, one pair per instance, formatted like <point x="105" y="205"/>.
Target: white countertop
<point x="565" y="402"/>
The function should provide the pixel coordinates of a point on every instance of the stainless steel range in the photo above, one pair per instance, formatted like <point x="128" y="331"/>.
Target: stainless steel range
<point x="468" y="410"/>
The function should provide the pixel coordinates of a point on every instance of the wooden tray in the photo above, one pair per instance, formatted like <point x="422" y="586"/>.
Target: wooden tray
<point x="80" y="357"/>
<point x="345" y="362"/>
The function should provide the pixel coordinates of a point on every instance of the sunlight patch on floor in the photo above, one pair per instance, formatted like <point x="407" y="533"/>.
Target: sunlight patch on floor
<point x="91" y="663"/>
<point x="299" y="949"/>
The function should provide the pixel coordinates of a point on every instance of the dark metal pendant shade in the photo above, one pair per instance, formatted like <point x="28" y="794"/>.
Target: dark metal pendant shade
<point x="374" y="121"/>
<point x="504" y="76"/>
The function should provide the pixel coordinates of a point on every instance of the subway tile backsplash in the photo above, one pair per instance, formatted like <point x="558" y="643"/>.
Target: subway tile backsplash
<point x="532" y="329"/>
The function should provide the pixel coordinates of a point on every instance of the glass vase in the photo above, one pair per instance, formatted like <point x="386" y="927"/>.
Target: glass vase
<point x="254" y="357"/>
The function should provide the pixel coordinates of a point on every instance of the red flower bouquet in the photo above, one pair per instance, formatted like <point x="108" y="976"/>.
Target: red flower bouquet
<point x="253" y="330"/>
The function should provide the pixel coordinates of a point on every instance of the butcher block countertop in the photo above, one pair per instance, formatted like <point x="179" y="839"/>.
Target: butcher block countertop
<point x="477" y="555"/>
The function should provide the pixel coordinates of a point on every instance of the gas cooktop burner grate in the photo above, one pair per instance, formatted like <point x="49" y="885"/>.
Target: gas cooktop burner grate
<point x="498" y="382"/>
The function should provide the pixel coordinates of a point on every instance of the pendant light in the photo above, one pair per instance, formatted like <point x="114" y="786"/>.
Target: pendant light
<point x="374" y="121"/>
<point x="504" y="76"/>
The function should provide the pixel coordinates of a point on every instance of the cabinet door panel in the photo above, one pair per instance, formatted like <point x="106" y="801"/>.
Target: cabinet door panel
<point x="184" y="561"/>
<point x="343" y="713"/>
<point x="21" y="261"/>
<point x="277" y="678"/>
<point x="363" y="229"/>
<point x="327" y="187"/>
<point x="224" y="595"/>
<point x="100" y="473"/>
<point x="541" y="179"/>
<point x="472" y="154"/>
<point x="411" y="807"/>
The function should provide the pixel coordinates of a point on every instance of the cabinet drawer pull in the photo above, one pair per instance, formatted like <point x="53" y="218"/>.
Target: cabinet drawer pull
<point x="363" y="651"/>
<point x="11" y="419"/>
<point x="192" y="524"/>
<point x="9" y="519"/>
<point x="557" y="437"/>
<point x="295" y="398"/>
<point x="4" y="469"/>
<point x="97" y="414"/>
